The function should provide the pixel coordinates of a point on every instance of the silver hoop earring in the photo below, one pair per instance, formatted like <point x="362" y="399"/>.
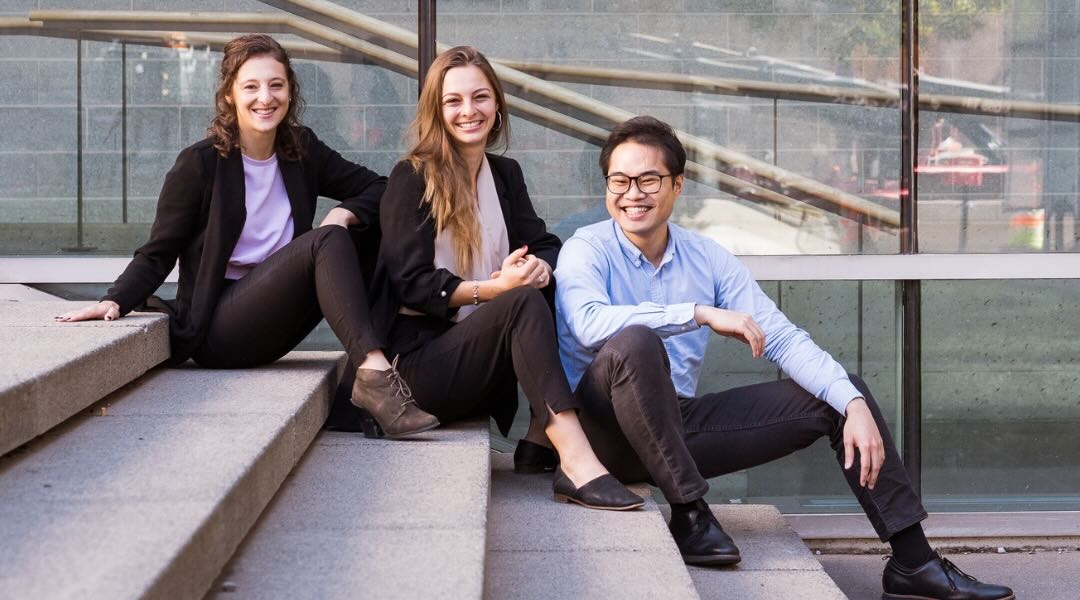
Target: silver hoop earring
<point x="498" y="121"/>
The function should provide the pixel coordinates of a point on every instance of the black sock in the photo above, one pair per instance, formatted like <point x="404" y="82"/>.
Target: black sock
<point x="684" y="507"/>
<point x="910" y="548"/>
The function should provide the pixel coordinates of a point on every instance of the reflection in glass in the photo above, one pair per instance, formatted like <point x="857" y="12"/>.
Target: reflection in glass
<point x="999" y="183"/>
<point x="776" y="172"/>
<point x="142" y="102"/>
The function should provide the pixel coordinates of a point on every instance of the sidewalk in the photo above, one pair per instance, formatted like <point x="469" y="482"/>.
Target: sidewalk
<point x="1042" y="575"/>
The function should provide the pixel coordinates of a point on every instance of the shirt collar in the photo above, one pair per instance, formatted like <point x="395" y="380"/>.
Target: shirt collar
<point x="634" y="255"/>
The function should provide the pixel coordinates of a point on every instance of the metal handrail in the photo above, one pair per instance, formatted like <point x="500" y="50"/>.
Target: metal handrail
<point x="700" y="150"/>
<point x="996" y="107"/>
<point x="65" y="23"/>
<point x="231" y="22"/>
<point x="713" y="159"/>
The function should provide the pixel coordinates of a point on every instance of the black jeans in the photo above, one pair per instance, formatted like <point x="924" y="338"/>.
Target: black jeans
<point x="262" y="316"/>
<point x="466" y="371"/>
<point x="641" y="431"/>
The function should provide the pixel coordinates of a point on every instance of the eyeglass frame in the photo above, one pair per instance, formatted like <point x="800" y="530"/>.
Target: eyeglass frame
<point x="636" y="181"/>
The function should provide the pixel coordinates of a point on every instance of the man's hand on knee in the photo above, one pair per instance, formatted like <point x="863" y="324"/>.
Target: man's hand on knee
<point x="861" y="432"/>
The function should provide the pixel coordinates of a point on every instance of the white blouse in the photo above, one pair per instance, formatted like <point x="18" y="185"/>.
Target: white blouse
<point x="495" y="243"/>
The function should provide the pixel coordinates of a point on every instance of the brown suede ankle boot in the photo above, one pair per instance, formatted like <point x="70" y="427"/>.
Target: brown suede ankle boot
<point x="386" y="397"/>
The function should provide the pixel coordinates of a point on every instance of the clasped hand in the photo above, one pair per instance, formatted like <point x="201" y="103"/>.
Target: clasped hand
<point x="521" y="269"/>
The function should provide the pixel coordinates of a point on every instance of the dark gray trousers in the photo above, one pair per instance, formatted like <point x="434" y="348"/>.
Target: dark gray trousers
<point x="642" y="431"/>
<point x="464" y="371"/>
<point x="262" y="316"/>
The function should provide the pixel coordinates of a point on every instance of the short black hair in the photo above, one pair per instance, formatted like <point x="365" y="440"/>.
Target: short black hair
<point x="648" y="131"/>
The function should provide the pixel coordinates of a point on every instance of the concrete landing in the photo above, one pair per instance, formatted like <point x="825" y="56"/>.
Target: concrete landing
<point x="1043" y="575"/>
<point x="149" y="495"/>
<point x="52" y="371"/>
<point x="541" y="549"/>
<point x="364" y="518"/>
<point x="775" y="562"/>
<point x="22" y="293"/>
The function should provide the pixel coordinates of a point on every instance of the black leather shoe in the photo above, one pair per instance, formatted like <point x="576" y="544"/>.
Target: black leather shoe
<point x="938" y="579"/>
<point x="700" y="538"/>
<point x="532" y="458"/>
<point x="603" y="493"/>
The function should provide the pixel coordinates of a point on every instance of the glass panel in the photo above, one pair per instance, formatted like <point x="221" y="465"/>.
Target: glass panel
<point x="1001" y="366"/>
<point x="763" y="130"/>
<point x="999" y="183"/>
<point x="359" y="110"/>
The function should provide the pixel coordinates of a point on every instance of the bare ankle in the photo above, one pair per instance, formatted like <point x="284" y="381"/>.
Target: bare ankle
<point x="375" y="360"/>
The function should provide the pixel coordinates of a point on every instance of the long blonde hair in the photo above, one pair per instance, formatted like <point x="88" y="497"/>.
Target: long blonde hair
<point x="450" y="186"/>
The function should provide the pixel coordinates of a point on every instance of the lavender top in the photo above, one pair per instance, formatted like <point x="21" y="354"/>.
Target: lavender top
<point x="269" y="223"/>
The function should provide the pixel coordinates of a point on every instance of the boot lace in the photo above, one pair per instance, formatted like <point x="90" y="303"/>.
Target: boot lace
<point x="399" y="387"/>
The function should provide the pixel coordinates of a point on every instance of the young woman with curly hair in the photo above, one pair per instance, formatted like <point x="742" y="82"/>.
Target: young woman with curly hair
<point x="236" y="210"/>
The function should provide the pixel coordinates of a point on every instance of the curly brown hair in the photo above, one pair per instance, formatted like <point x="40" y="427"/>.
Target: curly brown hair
<point x="223" y="128"/>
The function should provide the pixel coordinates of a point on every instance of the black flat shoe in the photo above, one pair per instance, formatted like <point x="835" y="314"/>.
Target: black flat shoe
<point x="530" y="458"/>
<point x="603" y="493"/>
<point x="938" y="579"/>
<point x="700" y="538"/>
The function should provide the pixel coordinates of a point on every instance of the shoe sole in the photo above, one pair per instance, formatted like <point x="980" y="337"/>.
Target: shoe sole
<point x="395" y="436"/>
<point x="885" y="596"/>
<point x="532" y="469"/>
<point x="712" y="560"/>
<point x="566" y="499"/>
<point x="375" y="431"/>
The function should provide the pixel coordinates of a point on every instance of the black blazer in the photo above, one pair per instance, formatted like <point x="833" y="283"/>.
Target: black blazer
<point x="201" y="213"/>
<point x="407" y="257"/>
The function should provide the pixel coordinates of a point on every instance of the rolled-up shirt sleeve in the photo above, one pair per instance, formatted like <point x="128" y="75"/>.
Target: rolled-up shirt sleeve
<point x="582" y="297"/>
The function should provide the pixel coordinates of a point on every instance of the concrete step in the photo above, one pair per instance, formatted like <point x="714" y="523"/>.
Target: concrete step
<point x="364" y="518"/>
<point x="538" y="548"/>
<point x="150" y="494"/>
<point x="16" y="292"/>
<point x="54" y="370"/>
<point x="775" y="562"/>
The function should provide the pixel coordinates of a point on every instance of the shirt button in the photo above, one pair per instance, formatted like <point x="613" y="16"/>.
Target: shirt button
<point x="442" y="294"/>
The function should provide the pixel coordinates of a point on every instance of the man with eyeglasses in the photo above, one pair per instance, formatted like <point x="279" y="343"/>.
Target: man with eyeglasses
<point x="636" y="299"/>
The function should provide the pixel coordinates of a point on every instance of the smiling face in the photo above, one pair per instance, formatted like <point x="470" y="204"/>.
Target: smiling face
<point x="468" y="106"/>
<point x="643" y="217"/>
<point x="260" y="95"/>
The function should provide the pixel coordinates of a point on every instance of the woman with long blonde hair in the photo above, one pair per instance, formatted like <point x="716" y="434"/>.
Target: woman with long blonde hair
<point x="469" y="264"/>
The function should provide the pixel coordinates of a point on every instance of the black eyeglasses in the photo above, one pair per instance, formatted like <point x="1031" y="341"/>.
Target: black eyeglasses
<point x="648" y="183"/>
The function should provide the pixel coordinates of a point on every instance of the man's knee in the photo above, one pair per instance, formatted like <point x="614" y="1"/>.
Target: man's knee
<point x="635" y="338"/>
<point x="636" y="344"/>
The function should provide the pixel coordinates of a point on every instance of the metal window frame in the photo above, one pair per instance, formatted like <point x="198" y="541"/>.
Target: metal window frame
<point x="910" y="289"/>
<point x="853" y="267"/>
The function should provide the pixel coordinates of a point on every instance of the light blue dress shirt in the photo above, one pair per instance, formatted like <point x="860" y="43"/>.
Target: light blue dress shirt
<point x="606" y="284"/>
